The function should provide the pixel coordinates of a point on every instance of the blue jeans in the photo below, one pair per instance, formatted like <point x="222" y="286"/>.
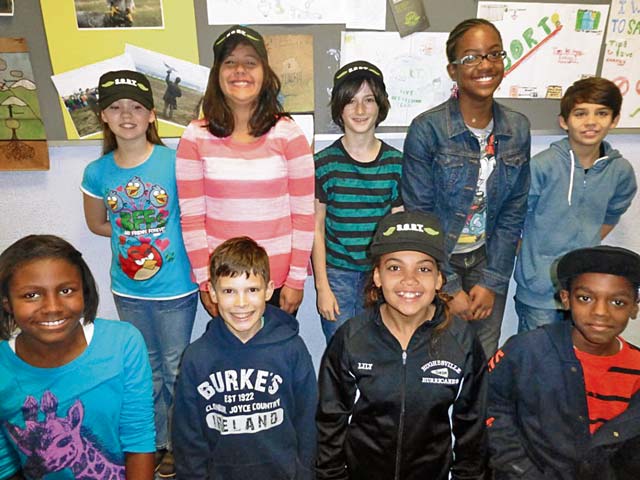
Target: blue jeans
<point x="530" y="318"/>
<point x="166" y="327"/>
<point x="469" y="267"/>
<point x="348" y="288"/>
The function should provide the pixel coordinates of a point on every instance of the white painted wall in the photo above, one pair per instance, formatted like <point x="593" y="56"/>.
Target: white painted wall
<point x="51" y="202"/>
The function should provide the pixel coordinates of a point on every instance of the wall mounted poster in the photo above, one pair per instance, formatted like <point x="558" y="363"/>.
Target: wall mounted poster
<point x="6" y="8"/>
<point x="414" y="69"/>
<point x="549" y="45"/>
<point x="71" y="47"/>
<point x="23" y="143"/>
<point x="622" y="58"/>
<point x="291" y="57"/>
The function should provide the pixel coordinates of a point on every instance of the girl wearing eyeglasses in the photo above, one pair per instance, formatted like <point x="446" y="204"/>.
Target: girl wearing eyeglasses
<point x="467" y="161"/>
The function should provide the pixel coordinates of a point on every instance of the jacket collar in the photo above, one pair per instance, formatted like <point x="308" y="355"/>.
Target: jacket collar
<point x="560" y="336"/>
<point x="456" y="125"/>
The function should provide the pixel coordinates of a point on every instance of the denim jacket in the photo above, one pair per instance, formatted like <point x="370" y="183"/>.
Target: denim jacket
<point x="440" y="171"/>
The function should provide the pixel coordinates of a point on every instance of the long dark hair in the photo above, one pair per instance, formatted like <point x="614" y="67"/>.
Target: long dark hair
<point x="35" y="247"/>
<point x="217" y="112"/>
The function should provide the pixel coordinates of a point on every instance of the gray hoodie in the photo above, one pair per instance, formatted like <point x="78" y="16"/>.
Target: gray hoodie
<point x="567" y="207"/>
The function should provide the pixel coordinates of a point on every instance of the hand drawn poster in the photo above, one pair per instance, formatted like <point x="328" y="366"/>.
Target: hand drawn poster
<point x="622" y="58"/>
<point x="255" y="12"/>
<point x="23" y="143"/>
<point x="414" y="69"/>
<point x="291" y="57"/>
<point x="549" y="46"/>
<point x="355" y="13"/>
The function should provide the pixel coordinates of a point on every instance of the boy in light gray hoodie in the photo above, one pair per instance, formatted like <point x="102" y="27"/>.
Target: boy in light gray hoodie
<point x="580" y="187"/>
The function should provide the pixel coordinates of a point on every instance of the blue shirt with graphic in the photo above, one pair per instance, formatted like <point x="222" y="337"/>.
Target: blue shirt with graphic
<point x="149" y="258"/>
<point x="78" y="420"/>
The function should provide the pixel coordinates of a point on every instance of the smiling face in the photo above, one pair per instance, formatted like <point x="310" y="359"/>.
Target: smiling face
<point x="241" y="76"/>
<point x="241" y="302"/>
<point x="46" y="300"/>
<point x="601" y="306"/>
<point x="361" y="113"/>
<point x="588" y="123"/>
<point x="480" y="81"/>
<point x="128" y="119"/>
<point x="409" y="281"/>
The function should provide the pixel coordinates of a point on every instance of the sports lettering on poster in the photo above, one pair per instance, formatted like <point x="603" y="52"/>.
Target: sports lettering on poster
<point x="549" y="46"/>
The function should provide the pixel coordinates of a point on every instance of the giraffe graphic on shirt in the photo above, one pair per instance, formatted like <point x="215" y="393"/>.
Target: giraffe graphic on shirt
<point x="58" y="443"/>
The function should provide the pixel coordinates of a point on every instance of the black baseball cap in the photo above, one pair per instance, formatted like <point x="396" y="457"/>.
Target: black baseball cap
<point x="119" y="84"/>
<point x="358" y="69"/>
<point x="415" y="231"/>
<point x="252" y="36"/>
<point x="601" y="259"/>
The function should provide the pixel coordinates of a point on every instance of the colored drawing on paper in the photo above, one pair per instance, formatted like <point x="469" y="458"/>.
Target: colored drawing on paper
<point x="549" y="46"/>
<point x="414" y="69"/>
<point x="22" y="134"/>
<point x="621" y="58"/>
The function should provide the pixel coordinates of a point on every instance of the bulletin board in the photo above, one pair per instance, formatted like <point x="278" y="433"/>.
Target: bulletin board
<point x="443" y="16"/>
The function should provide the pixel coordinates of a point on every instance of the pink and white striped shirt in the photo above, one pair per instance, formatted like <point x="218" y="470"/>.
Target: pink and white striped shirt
<point x="264" y="190"/>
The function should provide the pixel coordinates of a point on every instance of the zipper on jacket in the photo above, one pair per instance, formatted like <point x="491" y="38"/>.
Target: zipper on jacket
<point x="401" y="422"/>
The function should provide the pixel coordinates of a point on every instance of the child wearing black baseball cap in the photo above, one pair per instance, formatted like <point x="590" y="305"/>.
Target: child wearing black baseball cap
<point x="390" y="376"/>
<point x="563" y="399"/>
<point x="246" y="168"/>
<point x="130" y="196"/>
<point x="357" y="180"/>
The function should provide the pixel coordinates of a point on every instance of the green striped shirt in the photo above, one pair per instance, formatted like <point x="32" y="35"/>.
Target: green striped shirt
<point x="357" y="195"/>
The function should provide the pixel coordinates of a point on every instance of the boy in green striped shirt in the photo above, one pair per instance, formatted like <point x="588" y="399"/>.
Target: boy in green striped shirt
<point x="357" y="183"/>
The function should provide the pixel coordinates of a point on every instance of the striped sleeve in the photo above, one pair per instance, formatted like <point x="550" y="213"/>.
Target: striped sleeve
<point x="301" y="175"/>
<point x="191" y="196"/>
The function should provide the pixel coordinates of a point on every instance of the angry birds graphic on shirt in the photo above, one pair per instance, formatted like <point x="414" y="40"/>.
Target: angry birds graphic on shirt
<point x="140" y="215"/>
<point x="142" y="262"/>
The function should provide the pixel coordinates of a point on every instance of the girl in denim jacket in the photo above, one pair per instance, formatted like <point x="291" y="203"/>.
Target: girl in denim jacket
<point x="467" y="161"/>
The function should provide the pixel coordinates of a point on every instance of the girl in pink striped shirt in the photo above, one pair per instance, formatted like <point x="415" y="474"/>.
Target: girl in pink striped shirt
<point x="247" y="169"/>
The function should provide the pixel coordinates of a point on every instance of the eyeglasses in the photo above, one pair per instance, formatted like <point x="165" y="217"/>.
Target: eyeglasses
<point x="473" y="60"/>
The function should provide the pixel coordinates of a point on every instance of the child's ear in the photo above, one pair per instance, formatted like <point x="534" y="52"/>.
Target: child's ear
<point x="152" y="117"/>
<point x="564" y="297"/>
<point x="451" y="70"/>
<point x="376" y="277"/>
<point x="212" y="292"/>
<point x="615" y="121"/>
<point x="269" y="290"/>
<point x="7" y="306"/>
<point x="634" y="312"/>
<point x="439" y="282"/>
<point x="562" y="122"/>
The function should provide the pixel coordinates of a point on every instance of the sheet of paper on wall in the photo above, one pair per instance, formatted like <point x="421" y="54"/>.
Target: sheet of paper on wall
<point x="622" y="58"/>
<point x="291" y="57"/>
<point x="256" y="12"/>
<point x="6" y="8"/>
<point x="549" y="45"/>
<point x="178" y="86"/>
<point x="366" y="14"/>
<point x="23" y="143"/>
<point x="78" y="90"/>
<point x="305" y="122"/>
<point x="414" y="69"/>
<point x="409" y="15"/>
